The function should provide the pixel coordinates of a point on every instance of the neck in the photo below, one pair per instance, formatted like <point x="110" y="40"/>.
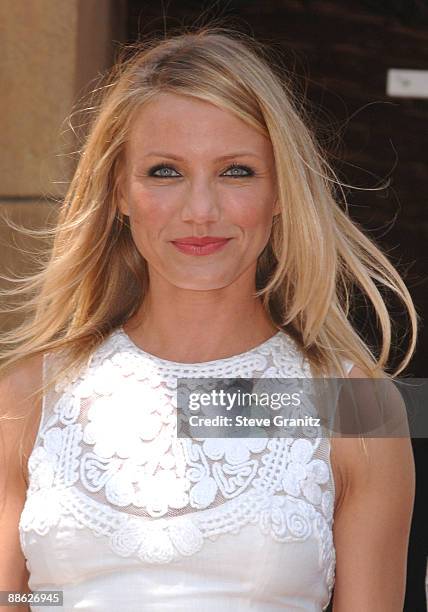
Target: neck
<point x="194" y="326"/>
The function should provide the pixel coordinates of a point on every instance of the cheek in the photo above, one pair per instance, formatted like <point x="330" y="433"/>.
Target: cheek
<point x="253" y="213"/>
<point x="147" y="210"/>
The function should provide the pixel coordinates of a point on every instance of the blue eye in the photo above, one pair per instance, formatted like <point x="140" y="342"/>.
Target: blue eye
<point x="236" y="169"/>
<point x="163" y="171"/>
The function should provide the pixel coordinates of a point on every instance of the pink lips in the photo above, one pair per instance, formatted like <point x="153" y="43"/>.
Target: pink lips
<point x="200" y="246"/>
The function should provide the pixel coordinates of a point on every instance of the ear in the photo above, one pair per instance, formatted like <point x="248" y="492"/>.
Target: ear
<point x="276" y="208"/>
<point x="123" y="205"/>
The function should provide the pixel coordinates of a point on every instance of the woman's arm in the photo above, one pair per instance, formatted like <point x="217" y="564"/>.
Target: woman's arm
<point x="372" y="521"/>
<point x="14" y="402"/>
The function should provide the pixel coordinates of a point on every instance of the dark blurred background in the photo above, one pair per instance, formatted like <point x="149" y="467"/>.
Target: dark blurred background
<point x="339" y="54"/>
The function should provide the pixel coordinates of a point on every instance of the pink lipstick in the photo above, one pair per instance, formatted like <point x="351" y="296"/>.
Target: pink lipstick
<point x="200" y="246"/>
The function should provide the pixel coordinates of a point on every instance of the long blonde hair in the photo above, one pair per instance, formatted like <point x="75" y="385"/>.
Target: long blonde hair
<point x="96" y="279"/>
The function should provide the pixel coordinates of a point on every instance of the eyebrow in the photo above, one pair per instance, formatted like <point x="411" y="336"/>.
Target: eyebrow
<point x="221" y="158"/>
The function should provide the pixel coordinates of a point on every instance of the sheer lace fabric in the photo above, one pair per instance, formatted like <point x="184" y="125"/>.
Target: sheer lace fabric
<point x="121" y="514"/>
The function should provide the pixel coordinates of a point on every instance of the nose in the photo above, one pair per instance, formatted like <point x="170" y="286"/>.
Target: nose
<point x="201" y="204"/>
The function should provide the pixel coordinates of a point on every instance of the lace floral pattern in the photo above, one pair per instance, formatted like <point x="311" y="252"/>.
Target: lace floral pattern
<point x="108" y="456"/>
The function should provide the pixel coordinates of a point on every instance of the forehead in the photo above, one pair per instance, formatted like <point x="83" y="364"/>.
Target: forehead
<point x="171" y="121"/>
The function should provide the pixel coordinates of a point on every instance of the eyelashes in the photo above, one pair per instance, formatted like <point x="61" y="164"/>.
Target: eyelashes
<point x="160" y="168"/>
<point x="164" y="171"/>
<point x="249" y="171"/>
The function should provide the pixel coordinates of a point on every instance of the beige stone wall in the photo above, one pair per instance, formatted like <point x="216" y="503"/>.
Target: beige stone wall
<point x="52" y="52"/>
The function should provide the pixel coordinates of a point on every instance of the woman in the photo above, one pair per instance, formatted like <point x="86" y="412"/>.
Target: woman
<point x="199" y="238"/>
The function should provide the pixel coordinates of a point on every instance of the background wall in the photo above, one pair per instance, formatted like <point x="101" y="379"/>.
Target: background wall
<point x="339" y="53"/>
<point x="50" y="53"/>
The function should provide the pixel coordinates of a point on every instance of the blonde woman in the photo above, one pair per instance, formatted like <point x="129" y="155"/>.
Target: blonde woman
<point x="199" y="238"/>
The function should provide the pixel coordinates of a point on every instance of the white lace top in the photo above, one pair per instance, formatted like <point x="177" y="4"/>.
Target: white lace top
<point x="122" y="515"/>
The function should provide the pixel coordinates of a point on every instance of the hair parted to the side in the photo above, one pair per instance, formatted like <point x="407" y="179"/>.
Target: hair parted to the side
<point x="96" y="279"/>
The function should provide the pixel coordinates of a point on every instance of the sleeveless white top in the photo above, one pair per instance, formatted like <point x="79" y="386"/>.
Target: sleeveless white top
<point x="121" y="515"/>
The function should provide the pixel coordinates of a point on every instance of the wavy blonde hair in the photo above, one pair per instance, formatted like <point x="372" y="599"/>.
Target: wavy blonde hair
<point x="95" y="278"/>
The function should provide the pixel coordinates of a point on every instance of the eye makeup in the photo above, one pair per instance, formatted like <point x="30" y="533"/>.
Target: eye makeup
<point x="234" y="167"/>
<point x="154" y="171"/>
<point x="160" y="168"/>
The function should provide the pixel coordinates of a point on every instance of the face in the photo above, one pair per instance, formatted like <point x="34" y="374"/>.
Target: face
<point x="194" y="171"/>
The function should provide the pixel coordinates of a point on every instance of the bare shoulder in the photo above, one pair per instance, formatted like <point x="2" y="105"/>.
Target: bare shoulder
<point x="20" y="410"/>
<point x="20" y="382"/>
<point x="356" y="461"/>
<point x="344" y="453"/>
<point x="375" y="483"/>
<point x="20" y="407"/>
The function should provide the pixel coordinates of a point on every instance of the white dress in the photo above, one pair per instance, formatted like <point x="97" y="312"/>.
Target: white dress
<point x="121" y="515"/>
